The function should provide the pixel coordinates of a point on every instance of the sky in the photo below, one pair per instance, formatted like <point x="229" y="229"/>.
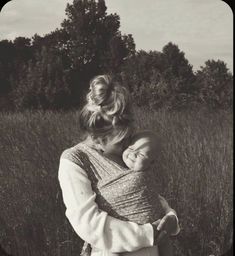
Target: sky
<point x="202" y="29"/>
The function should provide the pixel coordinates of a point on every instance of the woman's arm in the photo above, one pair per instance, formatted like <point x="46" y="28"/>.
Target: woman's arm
<point x="93" y="225"/>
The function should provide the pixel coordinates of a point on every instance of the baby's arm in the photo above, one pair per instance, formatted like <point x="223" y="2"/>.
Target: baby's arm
<point x="170" y="221"/>
<point x="167" y="227"/>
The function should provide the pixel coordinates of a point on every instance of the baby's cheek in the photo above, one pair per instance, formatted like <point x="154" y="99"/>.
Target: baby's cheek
<point x="138" y="165"/>
<point x="125" y="159"/>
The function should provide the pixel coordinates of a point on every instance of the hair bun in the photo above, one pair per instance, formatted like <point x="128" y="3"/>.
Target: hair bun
<point x="107" y="111"/>
<point x="100" y="90"/>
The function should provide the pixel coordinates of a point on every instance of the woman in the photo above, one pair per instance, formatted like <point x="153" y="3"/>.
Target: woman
<point x="84" y="170"/>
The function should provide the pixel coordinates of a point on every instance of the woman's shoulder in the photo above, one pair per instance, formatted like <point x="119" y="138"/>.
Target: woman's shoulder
<point x="74" y="154"/>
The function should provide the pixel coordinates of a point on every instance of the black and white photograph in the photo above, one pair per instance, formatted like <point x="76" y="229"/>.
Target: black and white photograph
<point x="116" y="128"/>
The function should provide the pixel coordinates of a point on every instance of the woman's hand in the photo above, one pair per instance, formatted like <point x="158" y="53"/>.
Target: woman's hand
<point x="164" y="227"/>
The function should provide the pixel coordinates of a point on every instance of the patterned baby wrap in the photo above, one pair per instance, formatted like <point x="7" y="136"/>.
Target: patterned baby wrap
<point x="124" y="194"/>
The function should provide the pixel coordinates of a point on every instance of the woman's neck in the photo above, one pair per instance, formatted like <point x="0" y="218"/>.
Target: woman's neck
<point x="117" y="158"/>
<point x="112" y="152"/>
<point x="107" y="149"/>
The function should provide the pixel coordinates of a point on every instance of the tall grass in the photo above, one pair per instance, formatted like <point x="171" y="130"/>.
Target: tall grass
<point x="197" y="161"/>
<point x="195" y="168"/>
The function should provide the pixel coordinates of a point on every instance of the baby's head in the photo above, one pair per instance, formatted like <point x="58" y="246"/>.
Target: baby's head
<point x="140" y="153"/>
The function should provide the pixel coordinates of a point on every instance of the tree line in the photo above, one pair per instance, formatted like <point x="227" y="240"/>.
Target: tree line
<point x="53" y="71"/>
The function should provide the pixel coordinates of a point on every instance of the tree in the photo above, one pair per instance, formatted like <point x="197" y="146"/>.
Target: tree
<point x="167" y="77"/>
<point x="94" y="43"/>
<point x="140" y="67"/>
<point x="215" y="84"/>
<point x="23" y="49"/>
<point x="13" y="55"/>
<point x="88" y="43"/>
<point x="177" y="70"/>
<point x="45" y="83"/>
<point x="7" y="54"/>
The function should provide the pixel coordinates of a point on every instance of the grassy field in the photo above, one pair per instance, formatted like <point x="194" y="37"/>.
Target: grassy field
<point x="196" y="161"/>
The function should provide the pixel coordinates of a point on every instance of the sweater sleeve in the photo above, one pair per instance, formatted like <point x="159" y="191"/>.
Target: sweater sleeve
<point x="93" y="225"/>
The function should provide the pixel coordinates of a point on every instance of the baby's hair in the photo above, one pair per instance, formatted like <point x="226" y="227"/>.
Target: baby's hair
<point x="107" y="110"/>
<point x="148" y="134"/>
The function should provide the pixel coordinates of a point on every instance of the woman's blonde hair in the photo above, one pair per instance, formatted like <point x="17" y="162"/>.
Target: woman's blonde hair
<point x="106" y="115"/>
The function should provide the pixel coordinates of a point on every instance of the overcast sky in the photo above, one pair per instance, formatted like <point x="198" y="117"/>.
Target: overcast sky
<point x="201" y="28"/>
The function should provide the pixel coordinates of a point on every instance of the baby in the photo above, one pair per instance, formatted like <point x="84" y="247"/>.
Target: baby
<point x="140" y="155"/>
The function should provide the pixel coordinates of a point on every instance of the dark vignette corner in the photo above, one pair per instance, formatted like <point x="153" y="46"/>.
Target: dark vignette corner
<point x="3" y="2"/>
<point x="228" y="2"/>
